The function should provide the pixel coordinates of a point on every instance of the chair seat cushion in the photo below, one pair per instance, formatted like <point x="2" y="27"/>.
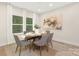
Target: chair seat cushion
<point x="39" y="43"/>
<point x="23" y="42"/>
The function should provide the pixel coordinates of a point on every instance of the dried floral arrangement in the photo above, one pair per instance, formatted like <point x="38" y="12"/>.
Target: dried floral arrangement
<point x="52" y="21"/>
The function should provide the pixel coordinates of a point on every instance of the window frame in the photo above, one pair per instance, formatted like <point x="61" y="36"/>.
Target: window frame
<point x="17" y="24"/>
<point x="29" y="24"/>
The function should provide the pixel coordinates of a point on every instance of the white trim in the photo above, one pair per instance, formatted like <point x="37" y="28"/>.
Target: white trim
<point x="29" y="24"/>
<point x="17" y="24"/>
<point x="67" y="42"/>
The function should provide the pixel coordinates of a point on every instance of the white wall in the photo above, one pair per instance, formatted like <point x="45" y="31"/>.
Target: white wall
<point x="6" y="12"/>
<point x="70" y="17"/>
<point x="36" y="18"/>
<point x="3" y="14"/>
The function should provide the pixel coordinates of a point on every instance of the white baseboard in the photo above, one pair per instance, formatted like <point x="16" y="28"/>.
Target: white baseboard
<point x="7" y="43"/>
<point x="67" y="42"/>
<point x="3" y="44"/>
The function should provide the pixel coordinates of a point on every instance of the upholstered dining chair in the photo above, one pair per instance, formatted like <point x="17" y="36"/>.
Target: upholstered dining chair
<point x="42" y="42"/>
<point x="50" y="39"/>
<point x="20" y="43"/>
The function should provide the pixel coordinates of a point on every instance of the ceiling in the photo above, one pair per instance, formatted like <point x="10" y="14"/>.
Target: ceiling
<point x="40" y="7"/>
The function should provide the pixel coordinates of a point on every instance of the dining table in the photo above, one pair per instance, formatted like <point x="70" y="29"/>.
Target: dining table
<point x="30" y="36"/>
<point x="33" y="37"/>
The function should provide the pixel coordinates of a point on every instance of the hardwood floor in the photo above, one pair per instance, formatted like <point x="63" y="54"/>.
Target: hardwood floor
<point x="59" y="49"/>
<point x="2" y="51"/>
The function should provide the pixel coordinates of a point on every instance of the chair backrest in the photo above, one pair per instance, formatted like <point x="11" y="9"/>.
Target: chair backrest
<point x="17" y="40"/>
<point x="48" y="32"/>
<point x="44" y="38"/>
<point x="50" y="36"/>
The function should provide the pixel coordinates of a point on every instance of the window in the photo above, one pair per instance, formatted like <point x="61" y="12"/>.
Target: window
<point x="29" y="24"/>
<point x="17" y="25"/>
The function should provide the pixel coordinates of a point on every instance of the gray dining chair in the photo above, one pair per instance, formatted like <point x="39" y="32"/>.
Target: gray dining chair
<point x="50" y="39"/>
<point x="20" y="43"/>
<point x="42" y="42"/>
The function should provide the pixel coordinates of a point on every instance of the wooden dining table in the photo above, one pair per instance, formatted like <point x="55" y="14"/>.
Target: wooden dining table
<point x="33" y="37"/>
<point x="29" y="36"/>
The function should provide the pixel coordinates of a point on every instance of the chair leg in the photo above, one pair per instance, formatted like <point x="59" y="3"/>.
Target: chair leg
<point x="30" y="48"/>
<point x="40" y="51"/>
<point x="33" y="46"/>
<point x="20" y="51"/>
<point x="25" y="47"/>
<point x="47" y="48"/>
<point x="16" y="49"/>
<point x="51" y="44"/>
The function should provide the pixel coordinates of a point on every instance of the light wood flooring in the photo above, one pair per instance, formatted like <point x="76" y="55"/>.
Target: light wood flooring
<point x="59" y="49"/>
